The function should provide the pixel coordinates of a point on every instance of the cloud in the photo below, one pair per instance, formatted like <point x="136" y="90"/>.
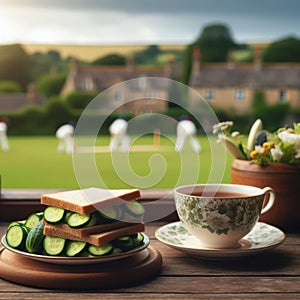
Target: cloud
<point x="151" y="21"/>
<point x="255" y="7"/>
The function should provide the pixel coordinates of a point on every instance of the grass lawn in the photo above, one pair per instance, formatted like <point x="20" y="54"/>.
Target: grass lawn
<point x="33" y="162"/>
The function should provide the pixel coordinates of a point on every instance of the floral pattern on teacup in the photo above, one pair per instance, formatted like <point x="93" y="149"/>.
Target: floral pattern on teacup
<point x="219" y="216"/>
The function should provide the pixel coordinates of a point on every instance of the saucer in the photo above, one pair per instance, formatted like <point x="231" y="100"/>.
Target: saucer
<point x="263" y="237"/>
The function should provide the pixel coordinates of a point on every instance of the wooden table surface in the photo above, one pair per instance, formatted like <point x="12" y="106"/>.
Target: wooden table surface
<point x="272" y="275"/>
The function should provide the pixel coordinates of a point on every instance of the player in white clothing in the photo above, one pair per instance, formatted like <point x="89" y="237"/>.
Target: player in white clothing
<point x="119" y="137"/>
<point x="3" y="137"/>
<point x="186" y="131"/>
<point x="64" y="134"/>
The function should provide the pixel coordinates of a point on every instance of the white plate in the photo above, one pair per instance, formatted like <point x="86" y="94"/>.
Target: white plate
<point x="263" y="237"/>
<point x="64" y="260"/>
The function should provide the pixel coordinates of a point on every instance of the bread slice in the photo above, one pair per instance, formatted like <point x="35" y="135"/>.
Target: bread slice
<point x="89" y="200"/>
<point x="83" y="232"/>
<point x="95" y="239"/>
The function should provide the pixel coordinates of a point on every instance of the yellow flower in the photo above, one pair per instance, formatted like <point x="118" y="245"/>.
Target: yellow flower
<point x="272" y="145"/>
<point x="253" y="154"/>
<point x="290" y="130"/>
<point x="268" y="145"/>
<point x="264" y="150"/>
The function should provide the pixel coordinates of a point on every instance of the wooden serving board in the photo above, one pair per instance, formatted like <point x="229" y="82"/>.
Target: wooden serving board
<point x="128" y="271"/>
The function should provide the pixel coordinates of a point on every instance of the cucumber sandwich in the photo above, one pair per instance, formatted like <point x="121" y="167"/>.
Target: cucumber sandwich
<point x="90" y="222"/>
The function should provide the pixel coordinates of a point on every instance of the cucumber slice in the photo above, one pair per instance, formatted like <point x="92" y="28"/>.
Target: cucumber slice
<point x="53" y="245"/>
<point x="125" y="243"/>
<point x="77" y="220"/>
<point x="100" y="250"/>
<point x="27" y="229"/>
<point x="33" y="219"/>
<point x="14" y="223"/>
<point x="54" y="215"/>
<point x="121" y="209"/>
<point x="116" y="250"/>
<point x="109" y="213"/>
<point x="91" y="222"/>
<point x="135" y="208"/>
<point x="75" y="248"/>
<point x="128" y="217"/>
<point x="16" y="236"/>
<point x="67" y="215"/>
<point x="138" y="239"/>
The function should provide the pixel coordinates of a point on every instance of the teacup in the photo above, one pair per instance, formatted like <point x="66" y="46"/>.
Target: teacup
<point x="220" y="215"/>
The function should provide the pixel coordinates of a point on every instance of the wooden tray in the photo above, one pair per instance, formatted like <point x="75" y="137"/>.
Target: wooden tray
<point x="131" y="270"/>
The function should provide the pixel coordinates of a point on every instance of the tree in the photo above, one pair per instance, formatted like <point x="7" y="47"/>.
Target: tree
<point x="187" y="64"/>
<point x="51" y="85"/>
<point x="111" y="59"/>
<point x="45" y="63"/>
<point x="215" y="42"/>
<point x="147" y="55"/>
<point x="54" y="54"/>
<point x="14" y="64"/>
<point x="283" y="50"/>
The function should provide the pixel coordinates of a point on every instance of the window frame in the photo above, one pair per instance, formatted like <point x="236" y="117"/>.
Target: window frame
<point x="240" y="94"/>
<point x="209" y="94"/>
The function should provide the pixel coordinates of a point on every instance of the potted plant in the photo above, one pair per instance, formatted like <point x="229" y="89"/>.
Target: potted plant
<point x="268" y="160"/>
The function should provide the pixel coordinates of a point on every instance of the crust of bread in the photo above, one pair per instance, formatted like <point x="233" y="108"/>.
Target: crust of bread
<point x="83" y="232"/>
<point x="95" y="239"/>
<point x="88" y="200"/>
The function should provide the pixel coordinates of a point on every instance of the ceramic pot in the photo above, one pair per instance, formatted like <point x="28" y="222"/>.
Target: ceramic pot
<point x="284" y="179"/>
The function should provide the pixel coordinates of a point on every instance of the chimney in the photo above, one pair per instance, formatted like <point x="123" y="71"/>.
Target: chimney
<point x="258" y="58"/>
<point x="230" y="60"/>
<point x="169" y="67"/>
<point x="74" y="66"/>
<point x="196" y="61"/>
<point x="130" y="63"/>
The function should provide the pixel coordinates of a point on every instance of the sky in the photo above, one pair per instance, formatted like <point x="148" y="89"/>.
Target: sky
<point x="143" y="21"/>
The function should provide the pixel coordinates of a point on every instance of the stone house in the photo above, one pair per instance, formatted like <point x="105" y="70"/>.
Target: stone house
<point x="100" y="78"/>
<point x="231" y="85"/>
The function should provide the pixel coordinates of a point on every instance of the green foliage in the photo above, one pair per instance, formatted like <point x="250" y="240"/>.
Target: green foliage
<point x="51" y="85"/>
<point x="9" y="86"/>
<point x="56" y="112"/>
<point x="274" y="116"/>
<point x="244" y="55"/>
<point x="29" y="119"/>
<point x="187" y="64"/>
<point x="111" y="60"/>
<point x="283" y="50"/>
<point x="33" y="120"/>
<point x="258" y="102"/>
<point x="80" y="99"/>
<point x="46" y="63"/>
<point x="147" y="56"/>
<point x="215" y="42"/>
<point x="14" y="64"/>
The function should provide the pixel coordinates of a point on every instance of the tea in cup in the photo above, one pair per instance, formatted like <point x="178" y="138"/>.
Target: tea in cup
<point x="220" y="215"/>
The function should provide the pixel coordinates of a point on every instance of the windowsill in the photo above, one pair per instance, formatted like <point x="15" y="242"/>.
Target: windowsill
<point x="17" y="204"/>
